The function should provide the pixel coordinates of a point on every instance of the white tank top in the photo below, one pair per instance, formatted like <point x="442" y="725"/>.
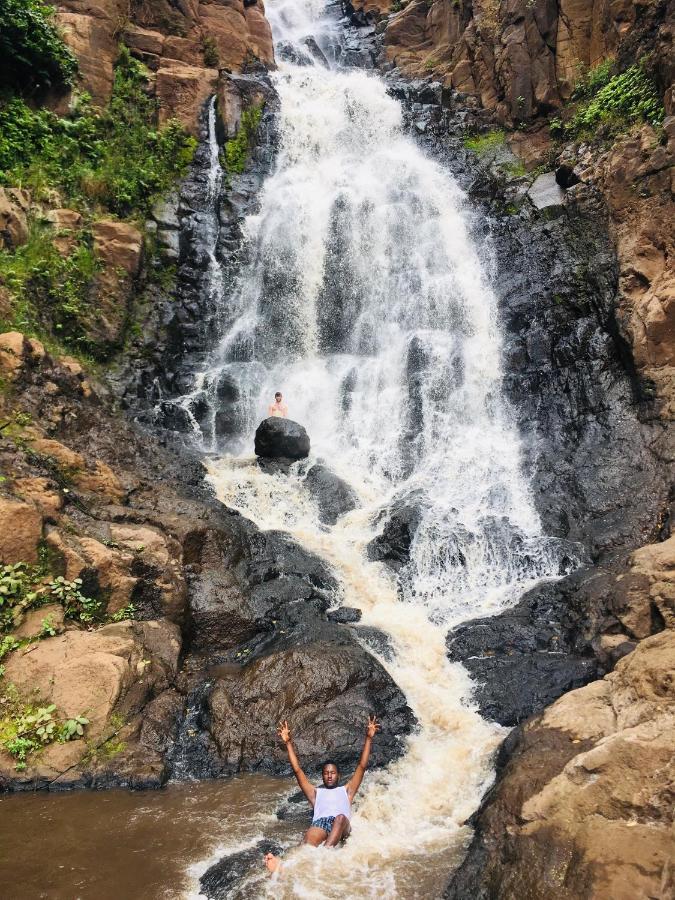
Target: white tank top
<point x="332" y="802"/>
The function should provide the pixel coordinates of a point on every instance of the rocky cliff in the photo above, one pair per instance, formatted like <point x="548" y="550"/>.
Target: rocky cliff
<point x="184" y="45"/>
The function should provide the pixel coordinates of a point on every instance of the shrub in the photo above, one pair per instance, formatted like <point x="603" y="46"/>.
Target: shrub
<point x="618" y="102"/>
<point x="50" y="290"/>
<point x="236" y="151"/>
<point x="33" y="55"/>
<point x="116" y="158"/>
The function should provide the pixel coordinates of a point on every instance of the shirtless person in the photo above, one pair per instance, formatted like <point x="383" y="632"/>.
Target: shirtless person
<point x="332" y="803"/>
<point x="278" y="408"/>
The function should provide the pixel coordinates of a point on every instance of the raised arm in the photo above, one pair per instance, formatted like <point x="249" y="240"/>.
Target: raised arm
<point x="354" y="782"/>
<point x="308" y="789"/>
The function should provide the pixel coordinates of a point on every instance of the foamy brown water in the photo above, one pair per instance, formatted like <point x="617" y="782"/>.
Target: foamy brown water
<point x="407" y="829"/>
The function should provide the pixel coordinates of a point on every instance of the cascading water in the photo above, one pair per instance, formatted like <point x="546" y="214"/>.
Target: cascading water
<point x="366" y="303"/>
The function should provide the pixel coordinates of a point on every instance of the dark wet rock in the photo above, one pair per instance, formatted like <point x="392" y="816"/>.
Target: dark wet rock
<point x="332" y="494"/>
<point x="326" y="688"/>
<point x="247" y="582"/>
<point x="277" y="437"/>
<point x="376" y="641"/>
<point x="393" y="545"/>
<point x="281" y="466"/>
<point x="295" y="810"/>
<point x="218" y="882"/>
<point x="529" y="655"/>
<point x="344" y="615"/>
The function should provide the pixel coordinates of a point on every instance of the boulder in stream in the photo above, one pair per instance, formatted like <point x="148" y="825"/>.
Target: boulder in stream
<point x="333" y="496"/>
<point x="277" y="437"/>
<point x="218" y="881"/>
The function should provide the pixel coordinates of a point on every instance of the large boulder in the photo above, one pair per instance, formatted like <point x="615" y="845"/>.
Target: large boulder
<point x="333" y="496"/>
<point x="108" y="676"/>
<point x="584" y="805"/>
<point x="326" y="689"/>
<point x="250" y="585"/>
<point x="281" y="438"/>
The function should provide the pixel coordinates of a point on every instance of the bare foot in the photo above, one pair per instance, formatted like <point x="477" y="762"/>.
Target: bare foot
<point x="272" y="862"/>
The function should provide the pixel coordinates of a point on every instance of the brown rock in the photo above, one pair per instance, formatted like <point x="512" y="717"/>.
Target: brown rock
<point x="14" y="205"/>
<point x="91" y="30"/>
<point x="96" y="477"/>
<point x="585" y="805"/>
<point x="66" y="223"/>
<point x="43" y="493"/>
<point x="115" y="669"/>
<point x="20" y="531"/>
<point x="17" y="351"/>
<point x="32" y="622"/>
<point x="182" y="91"/>
<point x="118" y="245"/>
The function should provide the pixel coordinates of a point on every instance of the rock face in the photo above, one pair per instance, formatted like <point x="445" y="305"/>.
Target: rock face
<point x="584" y="807"/>
<point x="393" y="545"/>
<point x="185" y="45"/>
<point x="333" y="496"/>
<point x="326" y="689"/>
<point x="519" y="59"/>
<point x="281" y="438"/>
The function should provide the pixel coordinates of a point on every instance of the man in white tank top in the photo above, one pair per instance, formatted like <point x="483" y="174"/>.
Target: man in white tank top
<point x="332" y="803"/>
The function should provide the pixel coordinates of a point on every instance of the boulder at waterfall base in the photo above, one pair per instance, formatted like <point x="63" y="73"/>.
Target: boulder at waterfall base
<point x="278" y="438"/>
<point x="333" y="496"/>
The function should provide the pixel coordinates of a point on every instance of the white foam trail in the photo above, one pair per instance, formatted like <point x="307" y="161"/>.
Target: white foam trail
<point x="415" y="809"/>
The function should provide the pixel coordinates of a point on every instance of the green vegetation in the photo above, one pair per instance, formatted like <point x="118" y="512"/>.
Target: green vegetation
<point x="50" y="290"/>
<point x="24" y="587"/>
<point x="100" y="162"/>
<point x="115" y="159"/>
<point x="483" y="144"/>
<point x="27" y="727"/>
<point x="127" y="612"/>
<point x="210" y="51"/>
<point x="611" y="102"/>
<point x="236" y="151"/>
<point x="33" y="55"/>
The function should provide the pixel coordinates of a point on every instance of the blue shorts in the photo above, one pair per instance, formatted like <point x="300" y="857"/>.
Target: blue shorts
<point x="325" y="822"/>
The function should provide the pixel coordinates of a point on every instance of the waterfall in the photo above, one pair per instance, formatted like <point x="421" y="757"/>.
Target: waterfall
<point x="366" y="303"/>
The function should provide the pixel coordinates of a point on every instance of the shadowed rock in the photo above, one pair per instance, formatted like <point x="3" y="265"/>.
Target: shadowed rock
<point x="332" y="495"/>
<point x="218" y="881"/>
<point x="277" y="437"/>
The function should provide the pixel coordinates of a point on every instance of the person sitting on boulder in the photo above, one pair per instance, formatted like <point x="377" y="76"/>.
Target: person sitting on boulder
<point x="332" y="803"/>
<point x="278" y="408"/>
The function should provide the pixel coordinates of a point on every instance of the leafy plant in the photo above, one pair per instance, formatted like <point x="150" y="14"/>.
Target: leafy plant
<point x="127" y="612"/>
<point x="47" y="627"/>
<point x="75" y="603"/>
<point x="236" y="151"/>
<point x="589" y="84"/>
<point x="27" y="727"/>
<point x="616" y="102"/>
<point x="73" y="728"/>
<point x="7" y="644"/>
<point x="33" y="54"/>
